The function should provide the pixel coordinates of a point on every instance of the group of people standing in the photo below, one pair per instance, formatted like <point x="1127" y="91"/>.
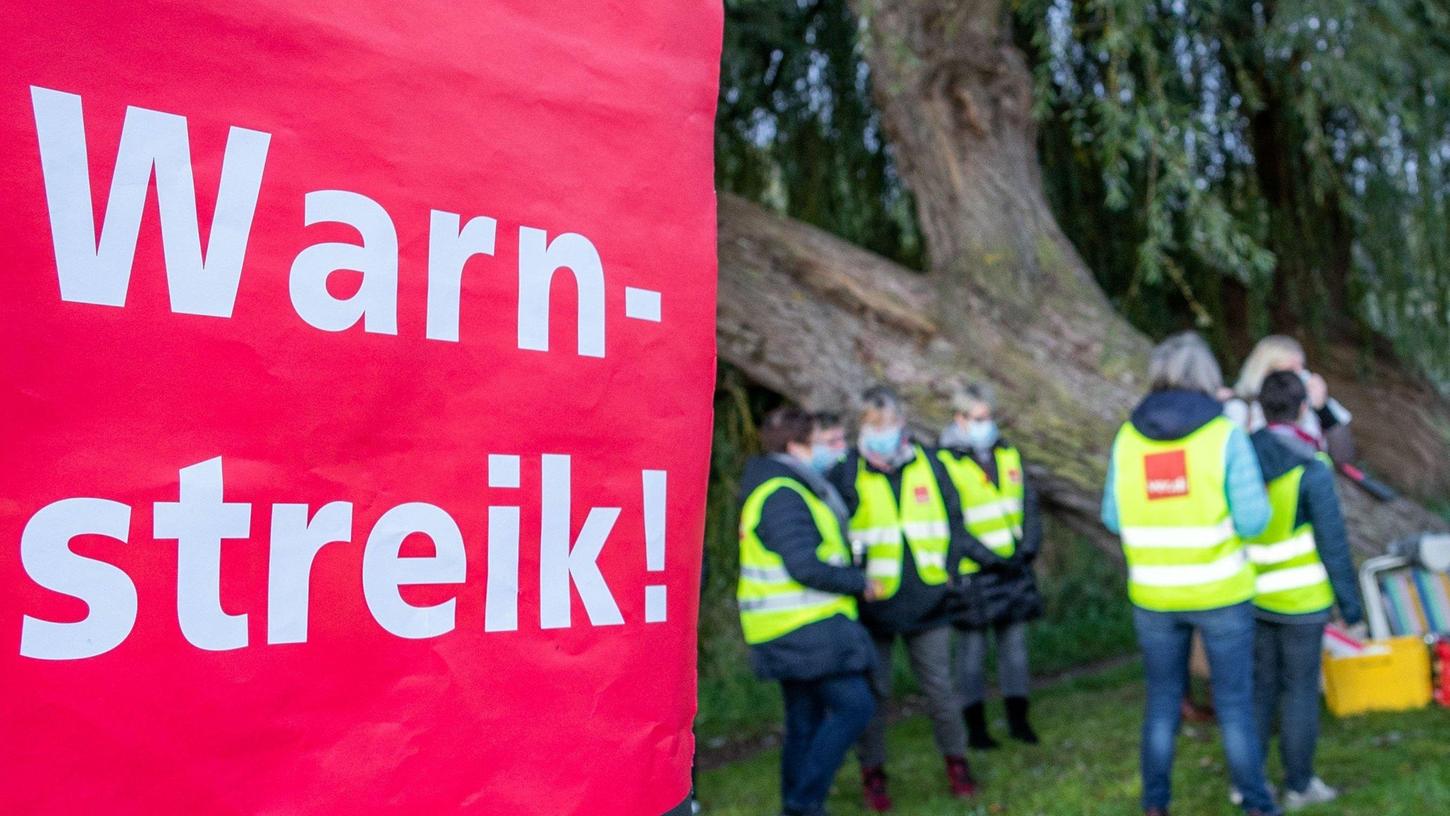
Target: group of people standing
<point x="1231" y="528"/>
<point x="846" y="549"/>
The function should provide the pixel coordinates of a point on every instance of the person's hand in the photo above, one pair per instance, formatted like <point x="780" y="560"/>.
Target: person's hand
<point x="1358" y="631"/>
<point x="1317" y="390"/>
<point x="875" y="590"/>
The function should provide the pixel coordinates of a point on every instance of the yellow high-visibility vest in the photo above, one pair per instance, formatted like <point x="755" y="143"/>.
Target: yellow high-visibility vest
<point x="1178" y="535"/>
<point x="921" y="521"/>
<point x="1290" y="578"/>
<point x="772" y="604"/>
<point x="992" y="510"/>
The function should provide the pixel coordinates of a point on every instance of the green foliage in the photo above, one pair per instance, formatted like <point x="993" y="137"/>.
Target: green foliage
<point x="1238" y="166"/>
<point x="796" y="129"/>
<point x="1384" y="764"/>
<point x="1300" y="148"/>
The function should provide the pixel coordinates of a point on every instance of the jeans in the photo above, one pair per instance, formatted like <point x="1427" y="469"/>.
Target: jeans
<point x="822" y="718"/>
<point x="1012" y="672"/>
<point x="930" y="653"/>
<point x="1228" y="637"/>
<point x="1286" y="687"/>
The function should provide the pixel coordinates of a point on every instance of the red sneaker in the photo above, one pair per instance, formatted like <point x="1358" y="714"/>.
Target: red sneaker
<point x="959" y="776"/>
<point x="873" y="780"/>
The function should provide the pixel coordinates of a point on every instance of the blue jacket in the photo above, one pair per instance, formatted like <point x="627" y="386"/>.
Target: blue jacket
<point x="1318" y="505"/>
<point x="837" y="645"/>
<point x="1171" y="415"/>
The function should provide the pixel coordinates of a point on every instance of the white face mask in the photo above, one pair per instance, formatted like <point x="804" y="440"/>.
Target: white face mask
<point x="982" y="433"/>
<point x="881" y="442"/>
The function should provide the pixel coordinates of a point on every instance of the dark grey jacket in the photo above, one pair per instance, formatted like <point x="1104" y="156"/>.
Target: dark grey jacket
<point x="837" y="645"/>
<point x="916" y="607"/>
<point x="1005" y="593"/>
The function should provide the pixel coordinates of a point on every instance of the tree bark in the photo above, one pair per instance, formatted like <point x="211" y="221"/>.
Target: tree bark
<point x="818" y="320"/>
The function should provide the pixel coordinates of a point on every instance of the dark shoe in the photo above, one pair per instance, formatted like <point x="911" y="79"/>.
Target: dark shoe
<point x="975" y="716"/>
<point x="1017" y="724"/>
<point x="873" y="781"/>
<point x="1155" y="812"/>
<point x="959" y="777"/>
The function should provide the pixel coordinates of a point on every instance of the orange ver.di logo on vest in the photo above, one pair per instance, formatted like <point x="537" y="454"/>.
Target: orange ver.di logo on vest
<point x="1167" y="474"/>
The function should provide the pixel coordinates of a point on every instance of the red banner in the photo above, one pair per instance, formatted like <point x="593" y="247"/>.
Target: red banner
<point x="357" y="363"/>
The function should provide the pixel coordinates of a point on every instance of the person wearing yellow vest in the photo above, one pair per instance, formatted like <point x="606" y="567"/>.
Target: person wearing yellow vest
<point x="1183" y="492"/>
<point x="906" y="519"/>
<point x="798" y="609"/>
<point x="828" y="440"/>
<point x="1000" y="511"/>
<point x="1303" y="568"/>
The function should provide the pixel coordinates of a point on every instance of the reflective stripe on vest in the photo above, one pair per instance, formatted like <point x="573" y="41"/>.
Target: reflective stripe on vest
<point x="1178" y="536"/>
<point x="993" y="511"/>
<point x="773" y="604"/>
<point x="921" y="521"/>
<point x="1291" y="580"/>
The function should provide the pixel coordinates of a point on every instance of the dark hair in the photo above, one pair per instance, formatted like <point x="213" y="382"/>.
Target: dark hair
<point x="881" y="398"/>
<point x="827" y="419"/>
<point x="1282" y="396"/>
<point x="785" y="425"/>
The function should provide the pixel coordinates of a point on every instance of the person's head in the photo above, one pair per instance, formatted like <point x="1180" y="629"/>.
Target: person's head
<point x="1273" y="353"/>
<point x="1283" y="397"/>
<point x="787" y="430"/>
<point x="828" y="439"/>
<point x="1184" y="362"/>
<point x="974" y="403"/>
<point x="974" y="408"/>
<point x="882" y="420"/>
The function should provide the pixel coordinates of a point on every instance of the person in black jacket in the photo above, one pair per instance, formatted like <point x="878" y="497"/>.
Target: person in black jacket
<point x="919" y="597"/>
<point x="1298" y="583"/>
<point x="798" y="609"/>
<point x="1000" y="509"/>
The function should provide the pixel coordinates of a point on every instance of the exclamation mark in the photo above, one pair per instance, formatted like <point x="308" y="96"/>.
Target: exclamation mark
<point x="654" y="543"/>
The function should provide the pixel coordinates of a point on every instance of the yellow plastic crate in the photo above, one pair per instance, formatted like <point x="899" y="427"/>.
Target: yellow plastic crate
<point x="1393" y="676"/>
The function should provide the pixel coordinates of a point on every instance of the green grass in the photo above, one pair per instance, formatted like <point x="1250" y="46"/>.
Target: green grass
<point x="1384" y="764"/>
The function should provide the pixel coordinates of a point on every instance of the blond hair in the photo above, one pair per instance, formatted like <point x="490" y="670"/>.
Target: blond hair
<point x="1273" y="353"/>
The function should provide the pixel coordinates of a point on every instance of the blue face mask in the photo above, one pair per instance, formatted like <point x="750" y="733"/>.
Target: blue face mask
<point x="824" y="457"/>
<point x="881" y="443"/>
<point x="982" y="433"/>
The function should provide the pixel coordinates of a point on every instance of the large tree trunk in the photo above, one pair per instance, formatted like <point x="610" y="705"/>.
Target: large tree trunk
<point x="1005" y="298"/>
<point x="818" y="319"/>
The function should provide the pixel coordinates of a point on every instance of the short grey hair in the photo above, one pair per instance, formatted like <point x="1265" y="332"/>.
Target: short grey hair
<point x="881" y="401"/>
<point x="977" y="393"/>
<point x="1184" y="362"/>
